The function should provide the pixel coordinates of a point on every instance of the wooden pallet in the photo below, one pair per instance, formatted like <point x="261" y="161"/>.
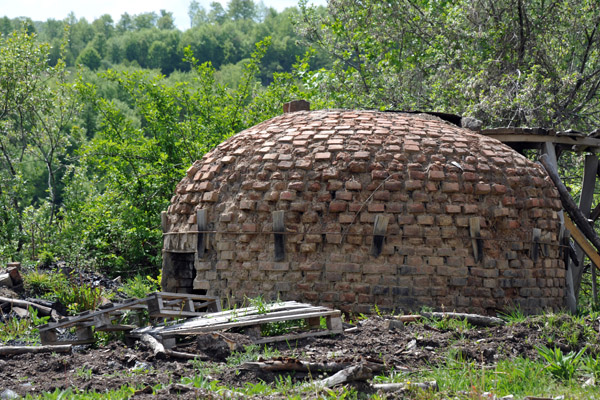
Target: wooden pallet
<point x="171" y="305"/>
<point x="252" y="317"/>
<point x="102" y="320"/>
<point x="107" y="317"/>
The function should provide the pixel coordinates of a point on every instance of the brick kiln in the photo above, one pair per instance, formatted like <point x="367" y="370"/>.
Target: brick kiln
<point x="353" y="209"/>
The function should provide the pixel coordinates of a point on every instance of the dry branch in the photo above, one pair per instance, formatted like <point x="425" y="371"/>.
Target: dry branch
<point x="358" y="372"/>
<point x="473" y="319"/>
<point x="46" y="311"/>
<point x="395" y="387"/>
<point x="302" y="366"/>
<point x="157" y="348"/>
<point x="12" y="350"/>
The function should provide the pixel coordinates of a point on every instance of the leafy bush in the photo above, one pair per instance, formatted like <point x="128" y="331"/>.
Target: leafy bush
<point x="140" y="286"/>
<point x="562" y="366"/>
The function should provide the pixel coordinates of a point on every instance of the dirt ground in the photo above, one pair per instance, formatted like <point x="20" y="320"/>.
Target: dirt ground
<point x="408" y="347"/>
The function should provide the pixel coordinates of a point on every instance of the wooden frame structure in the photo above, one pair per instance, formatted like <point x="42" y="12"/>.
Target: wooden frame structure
<point x="553" y="144"/>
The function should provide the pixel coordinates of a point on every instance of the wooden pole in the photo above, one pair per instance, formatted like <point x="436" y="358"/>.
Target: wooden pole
<point x="570" y="295"/>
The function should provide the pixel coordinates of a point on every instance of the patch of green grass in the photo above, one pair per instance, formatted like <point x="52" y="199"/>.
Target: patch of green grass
<point x="561" y="366"/>
<point x="123" y="393"/>
<point x="513" y="315"/>
<point x="44" y="284"/>
<point x="139" y="286"/>
<point x="251" y="352"/>
<point x="448" y="324"/>
<point x="22" y="329"/>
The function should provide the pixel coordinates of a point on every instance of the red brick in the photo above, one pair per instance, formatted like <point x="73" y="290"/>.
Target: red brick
<point x="323" y="156"/>
<point x="499" y="189"/>
<point x="304" y="164"/>
<point x="415" y="208"/>
<point x="287" y="195"/>
<point x="382" y="195"/>
<point x="482" y="188"/>
<point x="413" y="185"/>
<point x="353" y="185"/>
<point x="425" y="220"/>
<point x="361" y="155"/>
<point x="338" y="206"/>
<point x="346" y="196"/>
<point x="453" y="209"/>
<point x="471" y="208"/>
<point x="210" y="197"/>
<point x="450" y="187"/>
<point x="379" y="174"/>
<point x="357" y="166"/>
<point x="436" y="175"/>
<point x="393" y="185"/>
<point x="376" y="207"/>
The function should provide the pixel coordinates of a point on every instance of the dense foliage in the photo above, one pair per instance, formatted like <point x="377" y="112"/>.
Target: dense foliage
<point x="99" y="121"/>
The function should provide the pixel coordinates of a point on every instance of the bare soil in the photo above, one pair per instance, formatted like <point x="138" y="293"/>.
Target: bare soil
<point x="413" y="346"/>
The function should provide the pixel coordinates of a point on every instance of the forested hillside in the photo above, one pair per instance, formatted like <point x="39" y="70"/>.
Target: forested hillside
<point x="100" y="119"/>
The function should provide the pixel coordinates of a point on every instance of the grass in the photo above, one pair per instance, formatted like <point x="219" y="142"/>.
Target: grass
<point x="22" y="329"/>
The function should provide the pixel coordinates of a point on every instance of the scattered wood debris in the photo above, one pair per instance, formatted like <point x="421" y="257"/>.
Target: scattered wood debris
<point x="109" y="316"/>
<point x="251" y="317"/>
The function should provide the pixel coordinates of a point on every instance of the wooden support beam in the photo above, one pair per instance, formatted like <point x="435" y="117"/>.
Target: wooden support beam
<point x="279" y="234"/>
<point x="582" y="241"/>
<point x="476" y="241"/>
<point x="202" y="226"/>
<point x="379" y="231"/>
<point x="549" y="156"/>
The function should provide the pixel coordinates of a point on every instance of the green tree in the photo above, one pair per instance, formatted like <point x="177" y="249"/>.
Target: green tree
<point x="197" y="14"/>
<point x="217" y="13"/>
<point x="241" y="9"/>
<point x="165" y="21"/>
<point x="36" y="128"/>
<point x="90" y="58"/>
<point x="135" y="167"/>
<point x="508" y="62"/>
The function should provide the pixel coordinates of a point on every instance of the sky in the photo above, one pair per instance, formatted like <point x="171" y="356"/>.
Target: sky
<point x="41" y="10"/>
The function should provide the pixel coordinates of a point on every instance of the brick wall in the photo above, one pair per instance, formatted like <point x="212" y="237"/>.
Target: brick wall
<point x="332" y="172"/>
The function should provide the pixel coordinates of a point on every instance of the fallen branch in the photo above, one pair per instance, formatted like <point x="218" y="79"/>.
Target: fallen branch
<point x="396" y="387"/>
<point x="157" y="348"/>
<point x="160" y="352"/>
<point x="12" y="350"/>
<point x="358" y="372"/>
<point x="474" y="319"/>
<point x="292" y="364"/>
<point x="186" y="356"/>
<point x="45" y="311"/>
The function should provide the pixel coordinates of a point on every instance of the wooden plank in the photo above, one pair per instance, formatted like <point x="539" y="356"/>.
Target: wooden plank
<point x="164" y="221"/>
<point x="582" y="241"/>
<point x="379" y="231"/>
<point x="585" y="205"/>
<point x="211" y="319"/>
<point x="293" y="336"/>
<point x="568" y="140"/>
<point x="256" y="321"/>
<point x="476" y="241"/>
<point x="201" y="221"/>
<point x="549" y="152"/>
<point x="279" y="234"/>
<point x="89" y="315"/>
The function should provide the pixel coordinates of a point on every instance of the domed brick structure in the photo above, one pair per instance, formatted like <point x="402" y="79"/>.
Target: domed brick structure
<point x="353" y="209"/>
